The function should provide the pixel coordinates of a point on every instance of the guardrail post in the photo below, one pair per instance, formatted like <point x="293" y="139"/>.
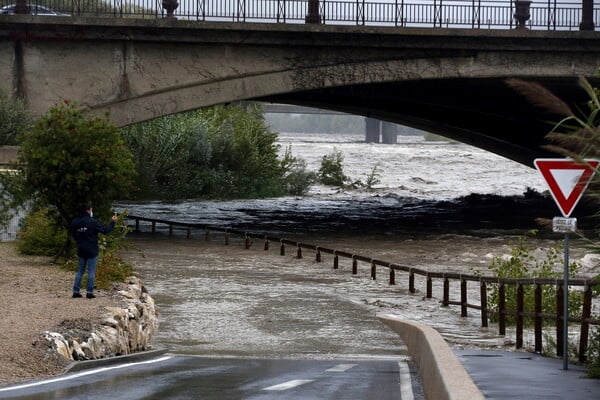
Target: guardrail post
<point x="266" y="244"/>
<point x="336" y="261"/>
<point x="282" y="248"/>
<point x="411" y="282"/>
<point x="392" y="276"/>
<point x="520" y="303"/>
<point x="299" y="252"/>
<point x="559" y="319"/>
<point x="463" y="297"/>
<point x="429" y="287"/>
<point x="446" y="298"/>
<point x="537" y="325"/>
<point x="484" y="305"/>
<point x="373" y="271"/>
<point x="354" y="266"/>
<point x="585" y="326"/>
<point x="318" y="256"/>
<point x="501" y="309"/>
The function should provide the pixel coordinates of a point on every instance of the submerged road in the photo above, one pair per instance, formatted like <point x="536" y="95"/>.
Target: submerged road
<point x="190" y="377"/>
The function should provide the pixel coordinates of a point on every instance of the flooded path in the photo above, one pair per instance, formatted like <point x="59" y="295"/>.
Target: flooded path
<point x="230" y="301"/>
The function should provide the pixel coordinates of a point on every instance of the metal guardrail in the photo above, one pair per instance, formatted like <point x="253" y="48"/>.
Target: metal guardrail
<point x="476" y="14"/>
<point x="585" y="321"/>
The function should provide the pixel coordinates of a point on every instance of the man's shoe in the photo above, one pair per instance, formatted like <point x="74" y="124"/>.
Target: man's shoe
<point x="90" y="296"/>
<point x="75" y="295"/>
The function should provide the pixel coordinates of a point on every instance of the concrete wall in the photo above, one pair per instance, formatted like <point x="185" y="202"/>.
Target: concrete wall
<point x="443" y="376"/>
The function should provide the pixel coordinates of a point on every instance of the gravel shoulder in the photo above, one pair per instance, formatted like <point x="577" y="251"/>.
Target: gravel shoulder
<point x="35" y="296"/>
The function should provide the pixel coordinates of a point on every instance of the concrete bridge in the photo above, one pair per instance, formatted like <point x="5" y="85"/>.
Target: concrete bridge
<point x="449" y="82"/>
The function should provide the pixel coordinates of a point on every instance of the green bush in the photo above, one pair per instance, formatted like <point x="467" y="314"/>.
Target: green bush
<point x="69" y="158"/>
<point x="295" y="178"/>
<point x="593" y="355"/>
<point x="522" y="263"/>
<point x="40" y="236"/>
<point x="331" y="171"/>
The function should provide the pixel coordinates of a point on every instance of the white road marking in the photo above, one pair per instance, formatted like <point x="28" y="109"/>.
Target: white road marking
<point x="406" y="392"/>
<point x="341" y="368"/>
<point x="289" y="384"/>
<point x="80" y="374"/>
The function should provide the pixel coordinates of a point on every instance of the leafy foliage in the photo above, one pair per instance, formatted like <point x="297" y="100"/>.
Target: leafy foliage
<point x="68" y="159"/>
<point x="296" y="179"/>
<point x="523" y="263"/>
<point x="14" y="119"/>
<point x="331" y="171"/>
<point x="40" y="236"/>
<point x="217" y="152"/>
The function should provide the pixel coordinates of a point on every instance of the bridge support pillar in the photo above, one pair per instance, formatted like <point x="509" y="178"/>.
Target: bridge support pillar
<point x="389" y="133"/>
<point x="587" y="15"/>
<point x="373" y="130"/>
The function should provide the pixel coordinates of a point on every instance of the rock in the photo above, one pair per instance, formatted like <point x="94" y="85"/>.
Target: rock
<point x="122" y="331"/>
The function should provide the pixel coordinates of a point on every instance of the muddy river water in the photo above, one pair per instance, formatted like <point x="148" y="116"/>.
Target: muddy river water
<point x="438" y="206"/>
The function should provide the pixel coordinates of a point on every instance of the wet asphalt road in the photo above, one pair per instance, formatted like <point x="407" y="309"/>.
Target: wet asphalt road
<point x="187" y="377"/>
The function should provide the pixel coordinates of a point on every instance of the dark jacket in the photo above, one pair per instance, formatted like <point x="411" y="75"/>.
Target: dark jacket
<point x="85" y="230"/>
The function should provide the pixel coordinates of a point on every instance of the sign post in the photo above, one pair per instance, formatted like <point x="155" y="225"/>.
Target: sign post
<point x="567" y="180"/>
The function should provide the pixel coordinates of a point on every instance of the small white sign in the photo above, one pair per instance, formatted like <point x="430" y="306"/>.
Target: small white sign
<point x="564" y="225"/>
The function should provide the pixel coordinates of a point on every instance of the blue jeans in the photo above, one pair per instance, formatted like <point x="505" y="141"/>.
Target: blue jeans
<point x="91" y="266"/>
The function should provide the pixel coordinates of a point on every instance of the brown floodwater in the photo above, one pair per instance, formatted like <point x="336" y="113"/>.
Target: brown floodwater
<point x="225" y="300"/>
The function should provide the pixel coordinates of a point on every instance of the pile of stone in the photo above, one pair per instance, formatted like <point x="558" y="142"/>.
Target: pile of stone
<point x="122" y="331"/>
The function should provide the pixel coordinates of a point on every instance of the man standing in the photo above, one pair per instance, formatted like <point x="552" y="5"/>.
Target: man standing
<point x="85" y="230"/>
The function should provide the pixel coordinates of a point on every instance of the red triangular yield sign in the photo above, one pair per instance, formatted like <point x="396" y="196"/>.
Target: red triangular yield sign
<point x="566" y="179"/>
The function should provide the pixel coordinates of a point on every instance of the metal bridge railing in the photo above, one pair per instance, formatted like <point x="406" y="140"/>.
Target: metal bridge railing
<point x="482" y="283"/>
<point x="475" y="14"/>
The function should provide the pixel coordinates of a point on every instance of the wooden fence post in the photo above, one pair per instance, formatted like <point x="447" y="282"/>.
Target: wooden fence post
<point x="411" y="281"/>
<point x="266" y="244"/>
<point x="318" y="256"/>
<point x="538" y="322"/>
<point x="392" y="276"/>
<point x="559" y="319"/>
<point x="429" y="287"/>
<point x="336" y="261"/>
<point x="520" y="302"/>
<point x="373" y="271"/>
<point x="299" y="252"/>
<point x="246" y="242"/>
<point x="484" y="305"/>
<point x="446" y="299"/>
<point x="282" y="248"/>
<point x="501" y="309"/>
<point x="585" y="326"/>
<point x="354" y="266"/>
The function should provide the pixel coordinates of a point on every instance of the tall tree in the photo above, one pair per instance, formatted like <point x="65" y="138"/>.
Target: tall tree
<point x="68" y="159"/>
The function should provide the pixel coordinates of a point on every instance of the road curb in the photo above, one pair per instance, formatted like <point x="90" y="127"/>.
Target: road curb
<point x="443" y="375"/>
<point x="101" y="362"/>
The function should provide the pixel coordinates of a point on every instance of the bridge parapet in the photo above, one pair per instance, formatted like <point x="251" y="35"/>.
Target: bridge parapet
<point x="483" y="14"/>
